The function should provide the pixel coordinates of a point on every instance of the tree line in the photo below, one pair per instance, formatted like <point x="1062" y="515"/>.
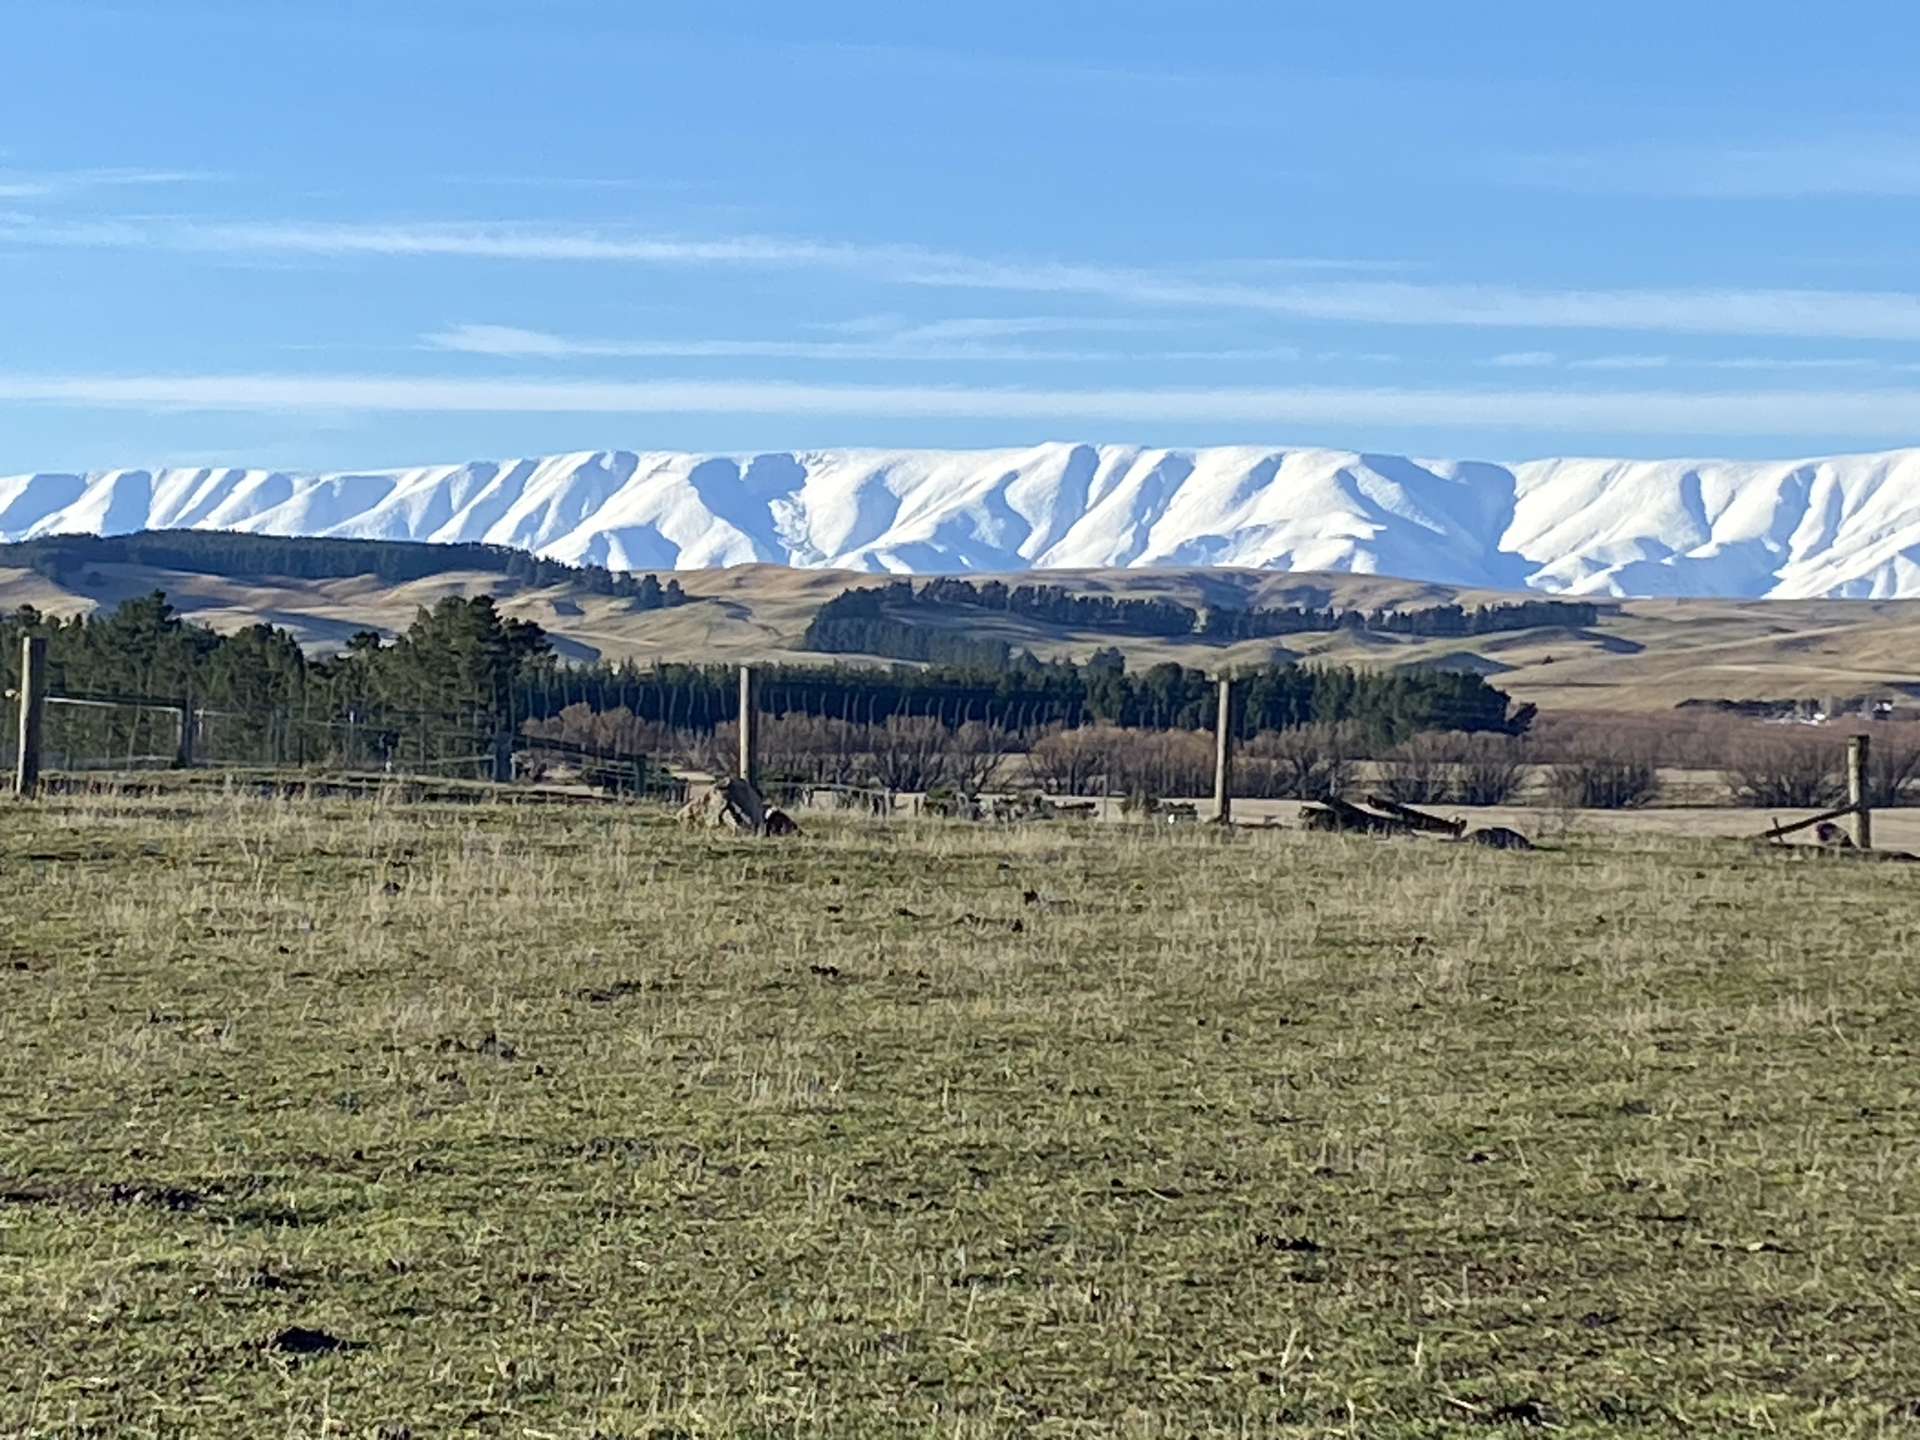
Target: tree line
<point x="65" y="558"/>
<point x="464" y="674"/>
<point x="1029" y="694"/>
<point x="880" y="619"/>
<point x="1425" y="622"/>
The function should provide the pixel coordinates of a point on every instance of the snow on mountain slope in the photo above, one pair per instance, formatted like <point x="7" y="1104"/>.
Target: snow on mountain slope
<point x="1847" y="526"/>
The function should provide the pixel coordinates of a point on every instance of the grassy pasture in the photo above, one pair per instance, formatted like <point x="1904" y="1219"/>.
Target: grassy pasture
<point x="565" y="1124"/>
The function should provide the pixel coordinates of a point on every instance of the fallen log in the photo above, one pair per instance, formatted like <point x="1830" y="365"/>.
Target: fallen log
<point x="1794" y="826"/>
<point x="1338" y="816"/>
<point x="1418" y="819"/>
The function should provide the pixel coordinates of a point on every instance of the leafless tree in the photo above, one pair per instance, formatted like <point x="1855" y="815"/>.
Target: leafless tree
<point x="1421" y="770"/>
<point x="909" y="753"/>
<point x="1490" y="769"/>
<point x="1893" y="769"/>
<point x="1602" y="772"/>
<point x="1066" y="761"/>
<point x="977" y="753"/>
<point x="1310" y="762"/>
<point x="1787" y="772"/>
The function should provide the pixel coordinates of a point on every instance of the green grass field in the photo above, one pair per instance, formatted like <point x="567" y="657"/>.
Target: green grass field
<point x="563" y="1123"/>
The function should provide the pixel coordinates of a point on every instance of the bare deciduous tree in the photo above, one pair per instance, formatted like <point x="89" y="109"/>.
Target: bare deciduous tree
<point x="977" y="754"/>
<point x="1066" y="761"/>
<point x="1601" y="772"/>
<point x="1787" y="772"/>
<point x="1312" y="762"/>
<point x="1491" y="769"/>
<point x="910" y="753"/>
<point x="1893" y="770"/>
<point x="1422" y="770"/>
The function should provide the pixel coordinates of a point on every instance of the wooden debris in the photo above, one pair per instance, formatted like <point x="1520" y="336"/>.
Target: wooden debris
<point x="1794" y="826"/>
<point x="1340" y="817"/>
<point x="1418" y="819"/>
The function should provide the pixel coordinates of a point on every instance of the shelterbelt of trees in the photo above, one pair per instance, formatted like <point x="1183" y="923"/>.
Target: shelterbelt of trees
<point x="878" y="619"/>
<point x="64" y="558"/>
<point x="464" y="661"/>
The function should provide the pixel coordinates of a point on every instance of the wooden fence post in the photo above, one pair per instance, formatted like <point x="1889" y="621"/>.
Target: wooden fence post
<point x="1223" y="756"/>
<point x="1857" y="792"/>
<point x="749" y="729"/>
<point x="183" y="752"/>
<point x="33" y="706"/>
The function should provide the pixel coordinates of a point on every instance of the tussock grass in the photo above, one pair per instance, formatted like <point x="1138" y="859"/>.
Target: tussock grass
<point x="566" y="1124"/>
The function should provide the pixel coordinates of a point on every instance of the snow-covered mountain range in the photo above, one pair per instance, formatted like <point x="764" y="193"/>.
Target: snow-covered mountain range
<point x="1847" y="526"/>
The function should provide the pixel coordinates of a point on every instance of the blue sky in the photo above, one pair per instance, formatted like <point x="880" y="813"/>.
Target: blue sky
<point x="356" y="233"/>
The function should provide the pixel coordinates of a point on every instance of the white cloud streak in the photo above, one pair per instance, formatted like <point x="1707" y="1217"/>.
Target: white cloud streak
<point x="507" y="341"/>
<point x="1622" y="362"/>
<point x="1829" y="314"/>
<point x="1778" y="363"/>
<point x="1876" y="413"/>
<point x="1865" y="166"/>
<point x="52" y="184"/>
<point x="915" y="343"/>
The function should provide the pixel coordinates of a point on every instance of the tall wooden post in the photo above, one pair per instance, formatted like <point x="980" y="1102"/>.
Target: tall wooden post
<point x="183" y="752"/>
<point x="1857" y="792"/>
<point x="33" y="706"/>
<point x="1223" y="756"/>
<point x="749" y="729"/>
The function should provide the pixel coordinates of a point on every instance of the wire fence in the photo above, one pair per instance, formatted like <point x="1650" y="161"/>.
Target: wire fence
<point x="87" y="734"/>
<point x="857" y="749"/>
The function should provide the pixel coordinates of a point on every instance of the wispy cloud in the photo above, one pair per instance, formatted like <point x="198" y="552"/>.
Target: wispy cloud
<point x="1830" y="166"/>
<point x="1831" y="314"/>
<point x="1784" y="363"/>
<point x="508" y="341"/>
<point x="655" y="184"/>
<point x="1621" y="362"/>
<point x="951" y="340"/>
<point x="1878" y="413"/>
<point x="1003" y="327"/>
<point x="53" y="184"/>
<point x="1523" y="359"/>
<point x="1800" y="362"/>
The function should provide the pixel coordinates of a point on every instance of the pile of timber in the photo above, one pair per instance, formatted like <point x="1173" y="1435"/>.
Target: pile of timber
<point x="1381" y="816"/>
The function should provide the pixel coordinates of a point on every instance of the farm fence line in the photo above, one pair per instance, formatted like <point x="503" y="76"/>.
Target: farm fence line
<point x="933" y="745"/>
